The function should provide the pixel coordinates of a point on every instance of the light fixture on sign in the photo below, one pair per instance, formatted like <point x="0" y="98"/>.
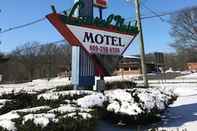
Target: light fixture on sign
<point x="100" y="3"/>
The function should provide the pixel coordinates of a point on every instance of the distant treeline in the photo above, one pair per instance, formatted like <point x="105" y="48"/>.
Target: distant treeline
<point x="34" y="60"/>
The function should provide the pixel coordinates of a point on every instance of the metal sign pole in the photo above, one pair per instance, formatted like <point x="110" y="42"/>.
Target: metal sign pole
<point x="82" y="65"/>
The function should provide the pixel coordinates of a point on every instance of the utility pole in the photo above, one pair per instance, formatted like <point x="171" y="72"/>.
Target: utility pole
<point x="141" y="39"/>
<point x="0" y="28"/>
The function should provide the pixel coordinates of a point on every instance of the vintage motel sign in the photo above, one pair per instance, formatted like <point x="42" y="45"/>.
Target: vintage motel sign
<point x="99" y="38"/>
<point x="93" y="39"/>
<point x="98" y="41"/>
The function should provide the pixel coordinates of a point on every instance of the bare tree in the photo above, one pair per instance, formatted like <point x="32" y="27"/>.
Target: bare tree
<point x="27" y="55"/>
<point x="52" y="56"/>
<point x="184" y="32"/>
<point x="34" y="60"/>
<point x="184" y="28"/>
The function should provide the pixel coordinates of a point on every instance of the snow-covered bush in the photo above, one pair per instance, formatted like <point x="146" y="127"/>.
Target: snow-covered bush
<point x="136" y="105"/>
<point x="60" y="109"/>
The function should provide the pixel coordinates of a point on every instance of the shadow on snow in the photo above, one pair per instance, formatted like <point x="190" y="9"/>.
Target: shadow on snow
<point x="177" y="116"/>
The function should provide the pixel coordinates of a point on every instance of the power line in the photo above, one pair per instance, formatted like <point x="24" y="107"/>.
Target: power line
<point x="153" y="12"/>
<point x="43" y="18"/>
<point x="27" y="24"/>
<point x="152" y="16"/>
<point x="23" y="25"/>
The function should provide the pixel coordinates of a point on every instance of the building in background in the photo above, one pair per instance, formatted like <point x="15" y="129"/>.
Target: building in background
<point x="192" y="67"/>
<point x="131" y="65"/>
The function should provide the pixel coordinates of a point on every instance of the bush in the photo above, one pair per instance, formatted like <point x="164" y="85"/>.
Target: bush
<point x="18" y="101"/>
<point x="64" y="88"/>
<point x="1" y="129"/>
<point x="64" y="124"/>
<point x="120" y="85"/>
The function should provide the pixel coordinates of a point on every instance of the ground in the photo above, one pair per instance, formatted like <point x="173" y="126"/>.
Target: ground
<point x="182" y="113"/>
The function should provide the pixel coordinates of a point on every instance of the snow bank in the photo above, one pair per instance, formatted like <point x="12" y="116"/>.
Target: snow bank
<point x="34" y="86"/>
<point x="56" y="95"/>
<point x="114" y="106"/>
<point x="76" y="116"/>
<point x="3" y="101"/>
<point x="34" y="109"/>
<point x="40" y="119"/>
<point x="6" y="120"/>
<point x="94" y="100"/>
<point x="170" y="70"/>
<point x="8" y="125"/>
<point x="121" y="78"/>
<point x="118" y="94"/>
<point x="65" y="109"/>
<point x="189" y="76"/>
<point x="9" y="116"/>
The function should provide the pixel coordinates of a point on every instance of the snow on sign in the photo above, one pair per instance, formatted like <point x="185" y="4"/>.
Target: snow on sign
<point x="100" y="3"/>
<point x="111" y="36"/>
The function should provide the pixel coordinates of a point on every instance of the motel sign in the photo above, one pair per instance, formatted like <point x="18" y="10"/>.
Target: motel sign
<point x="100" y="41"/>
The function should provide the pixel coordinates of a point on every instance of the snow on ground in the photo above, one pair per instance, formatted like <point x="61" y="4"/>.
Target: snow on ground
<point x="33" y="109"/>
<point x="34" y="86"/>
<point x="68" y="108"/>
<point x="2" y="102"/>
<point x="6" y="120"/>
<point x="189" y="76"/>
<point x="64" y="109"/>
<point x="182" y="113"/>
<point x="124" y="77"/>
<point x="8" y="125"/>
<point x="56" y="95"/>
<point x="83" y="115"/>
<point x="40" y="119"/>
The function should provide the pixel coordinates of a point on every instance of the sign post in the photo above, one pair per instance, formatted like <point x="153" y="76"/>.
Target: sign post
<point x="101" y="4"/>
<point x="82" y="66"/>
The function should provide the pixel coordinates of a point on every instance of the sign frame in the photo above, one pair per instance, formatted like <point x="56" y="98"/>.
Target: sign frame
<point x="113" y="23"/>
<point x="55" y="19"/>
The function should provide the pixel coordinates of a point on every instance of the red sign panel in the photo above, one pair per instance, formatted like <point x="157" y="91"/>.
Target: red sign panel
<point x="100" y="3"/>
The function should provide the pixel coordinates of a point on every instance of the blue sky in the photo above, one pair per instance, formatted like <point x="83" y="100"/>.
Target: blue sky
<point x="17" y="12"/>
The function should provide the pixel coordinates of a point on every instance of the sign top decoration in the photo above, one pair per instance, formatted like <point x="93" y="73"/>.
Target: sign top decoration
<point x="100" y="3"/>
<point x="110" y="36"/>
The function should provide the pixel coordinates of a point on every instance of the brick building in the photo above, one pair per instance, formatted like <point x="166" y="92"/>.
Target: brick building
<point x="131" y="65"/>
<point x="192" y="66"/>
